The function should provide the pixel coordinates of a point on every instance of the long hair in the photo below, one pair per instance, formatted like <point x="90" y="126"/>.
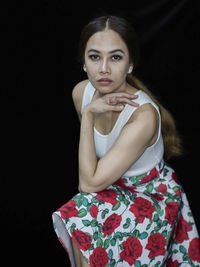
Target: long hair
<point x="172" y="141"/>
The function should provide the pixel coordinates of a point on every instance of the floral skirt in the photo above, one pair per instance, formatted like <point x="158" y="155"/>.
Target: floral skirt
<point x="141" y="221"/>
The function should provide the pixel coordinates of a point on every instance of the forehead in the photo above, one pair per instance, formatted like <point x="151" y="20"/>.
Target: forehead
<point x="107" y="40"/>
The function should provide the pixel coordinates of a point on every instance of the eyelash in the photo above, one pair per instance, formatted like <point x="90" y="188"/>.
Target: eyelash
<point x="96" y="57"/>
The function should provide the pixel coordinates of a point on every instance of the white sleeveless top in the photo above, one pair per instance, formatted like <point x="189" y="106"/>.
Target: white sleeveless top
<point x="151" y="156"/>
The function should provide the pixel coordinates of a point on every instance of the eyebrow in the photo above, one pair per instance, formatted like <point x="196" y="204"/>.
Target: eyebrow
<point x="111" y="52"/>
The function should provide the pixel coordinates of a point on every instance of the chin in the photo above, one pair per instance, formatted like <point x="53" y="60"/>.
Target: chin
<point x="104" y="89"/>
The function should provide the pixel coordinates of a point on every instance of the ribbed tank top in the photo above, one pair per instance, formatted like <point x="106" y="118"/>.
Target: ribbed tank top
<point x="150" y="157"/>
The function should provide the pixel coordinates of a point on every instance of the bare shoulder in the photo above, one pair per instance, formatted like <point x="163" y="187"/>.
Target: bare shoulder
<point x="147" y="119"/>
<point x="77" y="94"/>
<point x="147" y="111"/>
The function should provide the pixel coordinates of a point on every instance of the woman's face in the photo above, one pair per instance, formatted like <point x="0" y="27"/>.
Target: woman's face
<point x="107" y="61"/>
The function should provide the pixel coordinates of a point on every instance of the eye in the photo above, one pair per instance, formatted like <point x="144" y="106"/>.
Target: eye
<point x="116" y="57"/>
<point x="94" y="57"/>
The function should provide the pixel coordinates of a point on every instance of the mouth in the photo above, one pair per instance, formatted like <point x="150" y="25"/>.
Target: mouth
<point x="104" y="81"/>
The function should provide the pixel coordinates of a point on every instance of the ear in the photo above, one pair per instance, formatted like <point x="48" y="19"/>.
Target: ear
<point x="84" y="68"/>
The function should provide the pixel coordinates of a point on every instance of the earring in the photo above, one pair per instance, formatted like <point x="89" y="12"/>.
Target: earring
<point x="130" y="70"/>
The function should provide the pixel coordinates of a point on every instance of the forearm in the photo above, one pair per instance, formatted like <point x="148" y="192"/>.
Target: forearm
<point x="87" y="153"/>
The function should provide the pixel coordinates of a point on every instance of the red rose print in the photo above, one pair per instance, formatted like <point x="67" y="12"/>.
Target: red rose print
<point x="111" y="223"/>
<point x="132" y="250"/>
<point x="171" y="211"/>
<point x="94" y="211"/>
<point x="99" y="258"/>
<point x="108" y="196"/>
<point x="152" y="175"/>
<point x="175" y="178"/>
<point x="162" y="188"/>
<point x="157" y="197"/>
<point x="178" y="192"/>
<point x="146" y="179"/>
<point x="81" y="239"/>
<point x="171" y="263"/>
<point x="182" y="229"/>
<point x="142" y="208"/>
<point x="69" y="210"/>
<point x="121" y="183"/>
<point x="194" y="249"/>
<point x="156" y="245"/>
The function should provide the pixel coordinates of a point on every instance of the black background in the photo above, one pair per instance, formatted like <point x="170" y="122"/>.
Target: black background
<point x="39" y="126"/>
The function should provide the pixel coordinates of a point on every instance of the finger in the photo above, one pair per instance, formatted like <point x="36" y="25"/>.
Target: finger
<point x="127" y="101"/>
<point x="131" y="96"/>
<point x="117" y="108"/>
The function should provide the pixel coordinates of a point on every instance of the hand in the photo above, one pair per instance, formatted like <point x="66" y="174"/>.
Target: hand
<point x="112" y="102"/>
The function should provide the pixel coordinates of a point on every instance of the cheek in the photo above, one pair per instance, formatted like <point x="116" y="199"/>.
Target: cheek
<point x="91" y="68"/>
<point x="121" y="71"/>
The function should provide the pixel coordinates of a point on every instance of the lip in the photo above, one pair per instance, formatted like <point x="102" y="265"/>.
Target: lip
<point x="105" y="81"/>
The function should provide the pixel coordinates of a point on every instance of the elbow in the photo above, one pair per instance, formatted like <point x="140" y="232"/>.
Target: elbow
<point x="90" y="187"/>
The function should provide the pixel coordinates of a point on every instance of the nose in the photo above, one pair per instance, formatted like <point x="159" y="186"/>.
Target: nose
<point x="104" y="67"/>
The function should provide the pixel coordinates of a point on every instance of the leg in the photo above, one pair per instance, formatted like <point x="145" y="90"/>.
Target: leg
<point x="79" y="259"/>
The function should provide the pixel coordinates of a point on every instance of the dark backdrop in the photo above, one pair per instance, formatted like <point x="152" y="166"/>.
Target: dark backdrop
<point x="39" y="127"/>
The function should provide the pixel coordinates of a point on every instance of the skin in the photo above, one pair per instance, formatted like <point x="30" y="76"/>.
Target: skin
<point x="107" y="56"/>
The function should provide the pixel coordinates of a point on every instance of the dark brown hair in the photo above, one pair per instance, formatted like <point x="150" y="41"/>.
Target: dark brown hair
<point x="117" y="24"/>
<point x="172" y="141"/>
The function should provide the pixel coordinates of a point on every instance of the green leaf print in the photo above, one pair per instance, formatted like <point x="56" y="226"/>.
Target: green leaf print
<point x="100" y="227"/>
<point x="110" y="254"/>
<point x="164" y="233"/>
<point x="94" y="223"/>
<point x="137" y="263"/>
<point x="86" y="222"/>
<point x="143" y="235"/>
<point x="149" y="188"/>
<point x="99" y="242"/>
<point x="82" y="213"/>
<point x="94" y="200"/>
<point x="175" y="188"/>
<point x="118" y="235"/>
<point x="113" y="241"/>
<point x="157" y="208"/>
<point x="104" y="212"/>
<point x="169" y="200"/>
<point x="85" y="202"/>
<point x="79" y="200"/>
<point x="156" y="217"/>
<point x="112" y="263"/>
<point x="73" y="226"/>
<point x="136" y="233"/>
<point x="106" y="243"/>
<point x="116" y="206"/>
<point x="127" y="224"/>
<point x="92" y="247"/>
<point x="165" y="171"/>
<point x="95" y="236"/>
<point x="149" y="225"/>
<point x="126" y="202"/>
<point x="182" y="249"/>
<point x="186" y="257"/>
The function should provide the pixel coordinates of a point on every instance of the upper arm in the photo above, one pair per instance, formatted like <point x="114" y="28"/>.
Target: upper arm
<point x="135" y="137"/>
<point x="77" y="96"/>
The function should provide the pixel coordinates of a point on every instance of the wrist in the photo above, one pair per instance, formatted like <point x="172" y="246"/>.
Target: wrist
<point x="88" y="112"/>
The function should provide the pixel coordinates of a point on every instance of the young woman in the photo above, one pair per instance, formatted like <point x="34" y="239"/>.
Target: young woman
<point x="131" y="210"/>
